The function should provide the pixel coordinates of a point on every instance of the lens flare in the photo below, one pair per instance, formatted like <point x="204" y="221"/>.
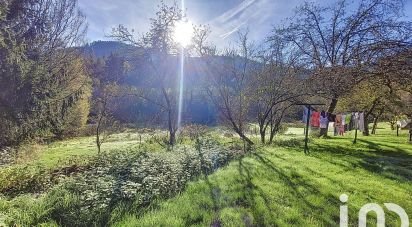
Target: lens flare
<point x="183" y="33"/>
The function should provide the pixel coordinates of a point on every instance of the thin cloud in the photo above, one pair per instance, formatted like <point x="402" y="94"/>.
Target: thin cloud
<point x="260" y="16"/>
<point x="226" y="35"/>
<point x="249" y="12"/>
<point x="232" y="13"/>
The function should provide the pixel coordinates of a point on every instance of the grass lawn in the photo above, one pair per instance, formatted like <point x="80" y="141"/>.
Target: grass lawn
<point x="280" y="186"/>
<point x="76" y="150"/>
<point x="42" y="160"/>
<point x="274" y="185"/>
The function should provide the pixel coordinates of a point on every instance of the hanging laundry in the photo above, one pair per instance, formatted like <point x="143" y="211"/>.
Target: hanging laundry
<point x="331" y="124"/>
<point x="305" y="114"/>
<point x="338" y="124"/>
<point x="342" y="126"/>
<point x="323" y="121"/>
<point x="361" y="125"/>
<point x="348" y="122"/>
<point x="341" y="130"/>
<point x="338" y="120"/>
<point x="355" y="120"/>
<point x="348" y="118"/>
<point x="331" y="117"/>
<point x="314" y="119"/>
<point x="403" y="123"/>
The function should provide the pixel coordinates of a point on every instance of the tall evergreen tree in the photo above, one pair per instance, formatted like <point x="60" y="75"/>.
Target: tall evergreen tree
<point x="41" y="76"/>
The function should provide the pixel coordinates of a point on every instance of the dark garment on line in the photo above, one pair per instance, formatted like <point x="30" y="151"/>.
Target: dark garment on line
<point x="331" y="117"/>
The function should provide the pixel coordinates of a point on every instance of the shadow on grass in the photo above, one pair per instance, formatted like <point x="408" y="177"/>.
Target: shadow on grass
<point x="387" y="160"/>
<point x="299" y="188"/>
<point x="249" y="194"/>
<point x="214" y="193"/>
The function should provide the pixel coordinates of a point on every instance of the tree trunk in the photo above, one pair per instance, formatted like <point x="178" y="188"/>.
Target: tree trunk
<point x="242" y="135"/>
<point x="271" y="137"/>
<point x="368" y="114"/>
<point x="245" y="138"/>
<point x="331" y="109"/>
<point x="172" y="132"/>
<point x="171" y="128"/>
<point x="410" y="135"/>
<point x="332" y="105"/>
<point x="392" y="123"/>
<point x="262" y="132"/>
<point x="172" y="137"/>
<point x="98" y="144"/>
<point x="375" y="124"/>
<point x="375" y="121"/>
<point x="262" y="137"/>
<point x="98" y="148"/>
<point x="366" y="130"/>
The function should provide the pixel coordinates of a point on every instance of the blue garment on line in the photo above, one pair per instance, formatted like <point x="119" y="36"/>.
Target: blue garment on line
<point x="305" y="114"/>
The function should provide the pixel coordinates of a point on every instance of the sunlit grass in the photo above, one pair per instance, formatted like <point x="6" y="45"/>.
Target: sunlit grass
<point x="76" y="150"/>
<point x="275" y="185"/>
<point x="280" y="186"/>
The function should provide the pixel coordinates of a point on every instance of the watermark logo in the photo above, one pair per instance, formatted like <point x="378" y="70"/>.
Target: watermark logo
<point x="372" y="207"/>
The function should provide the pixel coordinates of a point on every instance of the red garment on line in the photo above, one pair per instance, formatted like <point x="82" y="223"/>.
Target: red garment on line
<point x="315" y="119"/>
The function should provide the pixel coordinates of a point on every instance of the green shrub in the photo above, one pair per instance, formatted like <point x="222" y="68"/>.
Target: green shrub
<point x="124" y="181"/>
<point x="194" y="131"/>
<point x="283" y="128"/>
<point x="24" y="179"/>
<point x="295" y="143"/>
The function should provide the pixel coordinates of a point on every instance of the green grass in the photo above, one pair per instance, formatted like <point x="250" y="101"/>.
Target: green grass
<point x="77" y="150"/>
<point x="36" y="163"/>
<point x="280" y="186"/>
<point x="275" y="185"/>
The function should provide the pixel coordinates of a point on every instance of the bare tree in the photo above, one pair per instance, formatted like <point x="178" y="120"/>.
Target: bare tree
<point x="158" y="49"/>
<point x="276" y="85"/>
<point x="228" y="85"/>
<point x="107" y="76"/>
<point x="338" y="43"/>
<point x="105" y="122"/>
<point x="200" y="45"/>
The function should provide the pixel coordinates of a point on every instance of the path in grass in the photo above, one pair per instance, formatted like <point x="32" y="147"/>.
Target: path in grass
<point x="280" y="186"/>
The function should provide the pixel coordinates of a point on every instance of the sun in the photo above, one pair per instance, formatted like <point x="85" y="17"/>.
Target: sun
<point x="183" y="33"/>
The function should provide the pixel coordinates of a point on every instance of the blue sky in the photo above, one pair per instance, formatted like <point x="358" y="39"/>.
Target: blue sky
<point x="224" y="17"/>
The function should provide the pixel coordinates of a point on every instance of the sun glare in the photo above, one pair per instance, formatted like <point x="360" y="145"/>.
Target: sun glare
<point x="183" y="33"/>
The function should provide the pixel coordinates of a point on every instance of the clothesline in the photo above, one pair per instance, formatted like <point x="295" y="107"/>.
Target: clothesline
<point x="341" y="122"/>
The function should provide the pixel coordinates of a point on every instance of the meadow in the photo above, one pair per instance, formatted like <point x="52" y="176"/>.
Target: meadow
<point x="206" y="182"/>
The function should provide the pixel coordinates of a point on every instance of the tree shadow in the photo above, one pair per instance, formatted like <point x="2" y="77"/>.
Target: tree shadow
<point x="386" y="160"/>
<point x="214" y="193"/>
<point x="249" y="193"/>
<point x="294" y="182"/>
